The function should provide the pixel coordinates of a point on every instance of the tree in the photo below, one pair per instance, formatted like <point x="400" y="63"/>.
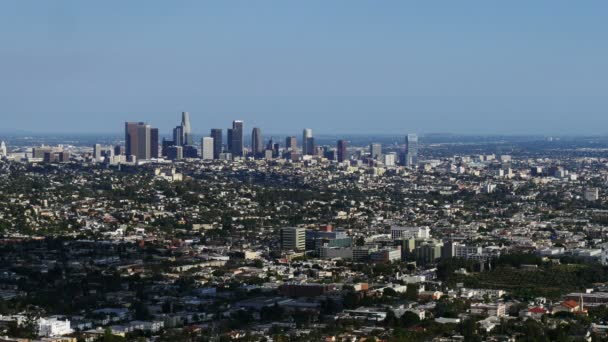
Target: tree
<point x="409" y="319"/>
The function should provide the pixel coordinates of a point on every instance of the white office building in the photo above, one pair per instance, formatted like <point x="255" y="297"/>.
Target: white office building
<point x="406" y="233"/>
<point x="207" y="148"/>
<point x="50" y="327"/>
<point x="390" y="159"/>
<point x="293" y="238"/>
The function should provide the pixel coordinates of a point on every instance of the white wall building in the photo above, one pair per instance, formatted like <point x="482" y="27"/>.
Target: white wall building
<point x="389" y="159"/>
<point x="49" y="327"/>
<point x="399" y="233"/>
<point x="207" y="148"/>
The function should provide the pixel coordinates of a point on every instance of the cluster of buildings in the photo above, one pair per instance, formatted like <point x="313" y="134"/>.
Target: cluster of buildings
<point x="293" y="245"/>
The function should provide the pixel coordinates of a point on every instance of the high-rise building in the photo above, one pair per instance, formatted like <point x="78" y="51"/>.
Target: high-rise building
<point x="308" y="142"/>
<point x="178" y="136"/>
<point x="137" y="140"/>
<point x="154" y="143"/>
<point x="293" y="238"/>
<point x="164" y="146"/>
<point x="229" y="140"/>
<point x="341" y="150"/>
<point x="119" y="150"/>
<point x="375" y="151"/>
<point x="256" y="142"/>
<point x="216" y="134"/>
<point x="189" y="151"/>
<point x="411" y="150"/>
<point x="390" y="159"/>
<point x="186" y="130"/>
<point x="291" y="143"/>
<point x="237" y="139"/>
<point x="144" y="142"/>
<point x="97" y="152"/>
<point x="3" y="152"/>
<point x="175" y="152"/>
<point x="207" y="148"/>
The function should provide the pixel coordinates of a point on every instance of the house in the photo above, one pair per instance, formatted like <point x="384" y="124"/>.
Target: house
<point x="535" y="313"/>
<point x="570" y="306"/>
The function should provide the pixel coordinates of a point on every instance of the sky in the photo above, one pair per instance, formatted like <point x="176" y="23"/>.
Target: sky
<point x="339" y="66"/>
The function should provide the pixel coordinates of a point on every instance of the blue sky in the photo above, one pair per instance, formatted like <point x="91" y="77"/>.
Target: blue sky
<point x="479" y="67"/>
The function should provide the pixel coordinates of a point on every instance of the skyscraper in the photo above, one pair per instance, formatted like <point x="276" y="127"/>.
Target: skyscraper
<point x="216" y="134"/>
<point x="178" y="136"/>
<point x="175" y="152"/>
<point x="137" y="140"/>
<point x="237" y="138"/>
<point x="97" y="152"/>
<point x="229" y="140"/>
<point x="291" y="143"/>
<point x="308" y="142"/>
<point x="341" y="150"/>
<point x="256" y="142"/>
<point x="411" y="150"/>
<point x="3" y="152"/>
<point x="375" y="151"/>
<point x="186" y="130"/>
<point x="144" y="142"/>
<point x="154" y="143"/>
<point x="207" y="148"/>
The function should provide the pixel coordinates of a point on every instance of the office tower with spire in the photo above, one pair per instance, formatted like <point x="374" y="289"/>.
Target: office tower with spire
<point x="216" y="134"/>
<point x="236" y="146"/>
<point x="186" y="130"/>
<point x="308" y="142"/>
<point x="341" y="148"/>
<point x="375" y="151"/>
<point x="138" y="140"/>
<point x="257" y="148"/>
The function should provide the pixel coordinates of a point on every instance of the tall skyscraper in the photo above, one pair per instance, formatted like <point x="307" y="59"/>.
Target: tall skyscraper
<point x="175" y="153"/>
<point x="186" y="130"/>
<point x="308" y="142"/>
<point x="207" y="148"/>
<point x="256" y="142"/>
<point x="3" y="152"/>
<point x="411" y="150"/>
<point x="229" y="140"/>
<point x="137" y="140"/>
<point x="119" y="150"/>
<point x="178" y="136"/>
<point x="165" y="146"/>
<point x="237" y="138"/>
<point x="97" y="152"/>
<point x="216" y="134"/>
<point x="144" y="142"/>
<point x="154" y="143"/>
<point x="341" y="150"/>
<point x="291" y="143"/>
<point x="375" y="151"/>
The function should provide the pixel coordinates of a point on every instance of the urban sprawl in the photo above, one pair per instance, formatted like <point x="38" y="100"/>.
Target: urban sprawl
<point x="174" y="239"/>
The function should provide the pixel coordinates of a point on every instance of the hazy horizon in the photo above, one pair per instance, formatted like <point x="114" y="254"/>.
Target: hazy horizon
<point x="343" y="67"/>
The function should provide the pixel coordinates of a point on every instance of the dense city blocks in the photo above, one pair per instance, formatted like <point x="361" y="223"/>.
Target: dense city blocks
<point x="448" y="241"/>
